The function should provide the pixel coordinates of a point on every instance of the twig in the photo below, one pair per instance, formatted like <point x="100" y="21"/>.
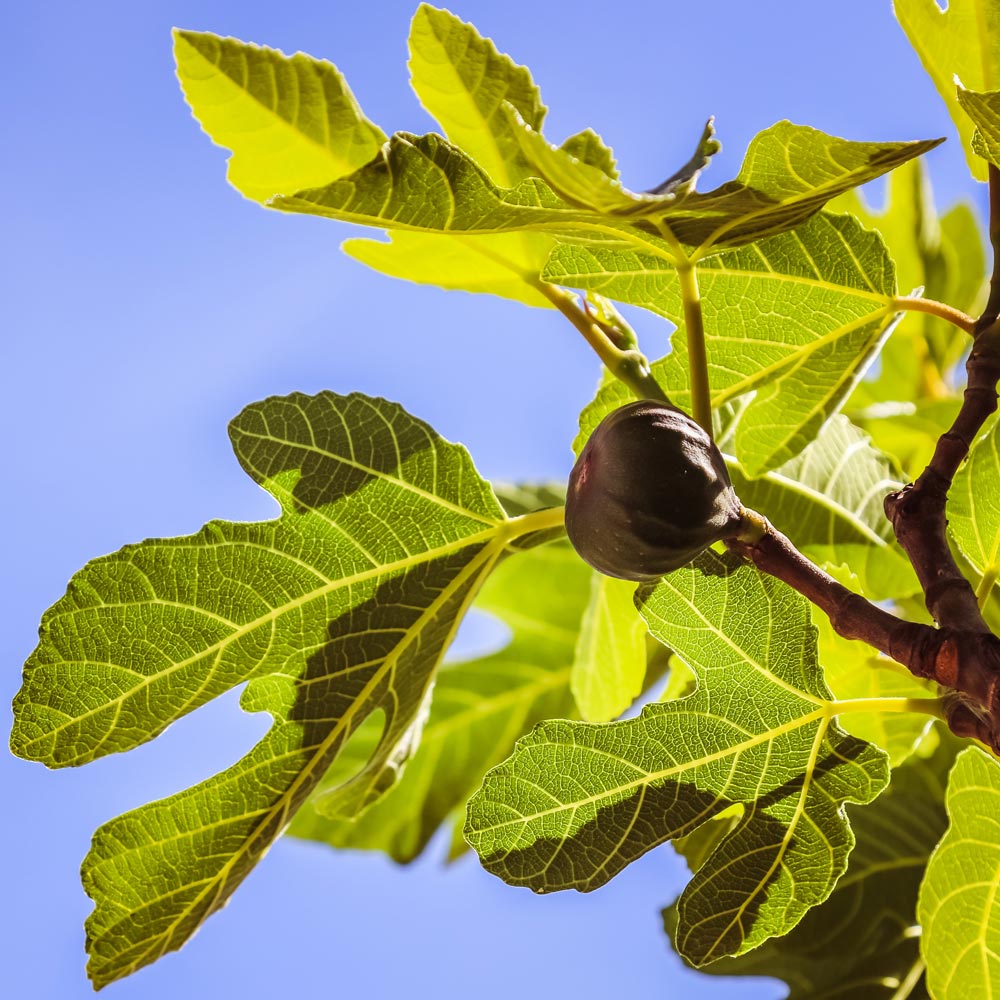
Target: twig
<point x="966" y="662"/>
<point x="850" y="614"/>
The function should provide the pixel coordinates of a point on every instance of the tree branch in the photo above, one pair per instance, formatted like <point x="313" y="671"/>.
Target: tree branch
<point x="965" y="662"/>
<point x="917" y="512"/>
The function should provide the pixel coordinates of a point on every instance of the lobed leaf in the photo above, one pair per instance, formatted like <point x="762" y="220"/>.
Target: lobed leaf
<point x="961" y="40"/>
<point x="957" y="905"/>
<point x="577" y="802"/>
<point x="863" y="942"/>
<point x="291" y="122"/>
<point x="463" y="81"/>
<point x="338" y="609"/>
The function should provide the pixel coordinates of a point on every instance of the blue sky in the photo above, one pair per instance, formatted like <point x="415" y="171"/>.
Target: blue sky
<point x="145" y="303"/>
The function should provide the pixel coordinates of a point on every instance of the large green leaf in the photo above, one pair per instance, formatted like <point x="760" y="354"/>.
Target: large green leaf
<point x="962" y="40"/>
<point x="577" y="802"/>
<point x="426" y="184"/>
<point x="290" y="121"/>
<point x="463" y="81"/>
<point x="479" y="709"/>
<point x="944" y="257"/>
<point x="338" y="609"/>
<point x="796" y="318"/>
<point x="974" y="506"/>
<point x="958" y="899"/>
<point x="861" y="943"/>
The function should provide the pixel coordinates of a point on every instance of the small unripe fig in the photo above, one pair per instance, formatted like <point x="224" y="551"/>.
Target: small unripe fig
<point x="649" y="492"/>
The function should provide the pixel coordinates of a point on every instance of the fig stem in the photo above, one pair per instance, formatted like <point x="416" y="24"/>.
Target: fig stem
<point x="629" y="366"/>
<point x="694" y="325"/>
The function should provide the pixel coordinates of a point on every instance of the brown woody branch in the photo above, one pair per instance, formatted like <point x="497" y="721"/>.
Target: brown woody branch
<point x="967" y="662"/>
<point x="961" y="654"/>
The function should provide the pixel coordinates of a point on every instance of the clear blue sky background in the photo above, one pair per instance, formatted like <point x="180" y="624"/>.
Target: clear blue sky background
<point x="144" y="303"/>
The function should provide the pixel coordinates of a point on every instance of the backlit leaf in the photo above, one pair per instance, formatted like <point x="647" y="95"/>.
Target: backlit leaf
<point x="610" y="663"/>
<point x="958" y="899"/>
<point x="338" y="609"/>
<point x="577" y="802"/>
<point x="796" y="318"/>
<point x="290" y="121"/>
<point x="961" y="40"/>
<point x="863" y="942"/>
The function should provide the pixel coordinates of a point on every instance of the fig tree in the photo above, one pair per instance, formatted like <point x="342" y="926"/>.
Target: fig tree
<point x="649" y="492"/>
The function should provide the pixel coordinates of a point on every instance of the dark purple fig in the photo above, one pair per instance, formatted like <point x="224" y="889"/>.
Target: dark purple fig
<point x="649" y="492"/>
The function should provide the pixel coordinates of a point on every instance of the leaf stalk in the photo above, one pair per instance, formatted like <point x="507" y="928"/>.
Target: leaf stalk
<point x="910" y="303"/>
<point x="694" y="326"/>
<point x="627" y="365"/>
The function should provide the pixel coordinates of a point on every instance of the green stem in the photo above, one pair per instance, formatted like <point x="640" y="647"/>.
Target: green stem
<point x="701" y="390"/>
<point x="628" y="366"/>
<point x="537" y="520"/>
<point x="919" y="706"/>
<point x="985" y="586"/>
<point x="940" y="309"/>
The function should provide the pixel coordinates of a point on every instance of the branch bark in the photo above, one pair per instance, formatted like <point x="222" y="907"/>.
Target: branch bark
<point x="961" y="654"/>
<point x="966" y="662"/>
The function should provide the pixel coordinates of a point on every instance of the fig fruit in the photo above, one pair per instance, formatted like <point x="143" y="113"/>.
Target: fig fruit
<point x="649" y="492"/>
